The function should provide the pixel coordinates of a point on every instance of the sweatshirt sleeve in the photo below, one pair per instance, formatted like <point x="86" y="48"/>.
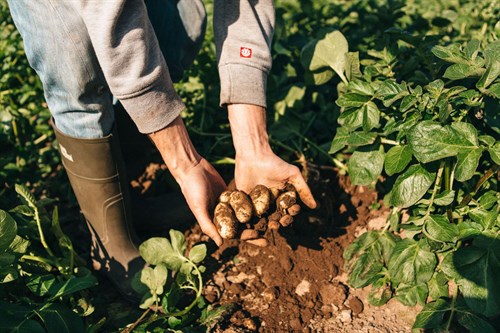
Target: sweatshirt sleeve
<point x="130" y="58"/>
<point x="243" y="35"/>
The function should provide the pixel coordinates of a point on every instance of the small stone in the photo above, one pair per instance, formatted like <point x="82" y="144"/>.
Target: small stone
<point x="303" y="288"/>
<point x="345" y="316"/>
<point x="249" y="323"/>
<point x="270" y="294"/>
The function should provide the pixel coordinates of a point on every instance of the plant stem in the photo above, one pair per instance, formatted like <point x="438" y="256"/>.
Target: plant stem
<point x="45" y="261"/>
<point x="137" y="322"/>
<point x="389" y="142"/>
<point x="465" y="201"/>
<point x="436" y="189"/>
<point x="452" y="307"/>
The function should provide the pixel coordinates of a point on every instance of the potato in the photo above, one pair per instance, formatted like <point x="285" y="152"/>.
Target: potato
<point x="274" y="216"/>
<point x="286" y="200"/>
<point x="261" y="199"/>
<point x="294" y="210"/>
<point x="225" y="221"/>
<point x="241" y="205"/>
<point x="224" y="196"/>
<point x="274" y="193"/>
<point x="286" y="220"/>
<point x="274" y="225"/>
<point x="249" y="234"/>
<point x="261" y="242"/>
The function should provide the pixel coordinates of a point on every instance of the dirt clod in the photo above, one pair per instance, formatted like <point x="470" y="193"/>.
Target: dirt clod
<point x="355" y="305"/>
<point x="333" y="294"/>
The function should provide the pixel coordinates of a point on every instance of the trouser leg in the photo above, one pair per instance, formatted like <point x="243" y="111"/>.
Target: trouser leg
<point x="59" y="49"/>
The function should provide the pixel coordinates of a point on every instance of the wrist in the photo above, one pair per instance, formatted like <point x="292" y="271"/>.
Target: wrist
<point x="249" y="131"/>
<point x="176" y="148"/>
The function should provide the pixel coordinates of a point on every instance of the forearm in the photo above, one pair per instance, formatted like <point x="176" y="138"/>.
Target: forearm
<point x="249" y="131"/>
<point x="176" y="148"/>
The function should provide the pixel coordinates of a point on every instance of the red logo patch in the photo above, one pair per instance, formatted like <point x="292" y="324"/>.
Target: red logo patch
<point x="245" y="52"/>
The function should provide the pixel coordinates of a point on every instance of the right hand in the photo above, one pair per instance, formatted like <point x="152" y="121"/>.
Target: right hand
<point x="201" y="185"/>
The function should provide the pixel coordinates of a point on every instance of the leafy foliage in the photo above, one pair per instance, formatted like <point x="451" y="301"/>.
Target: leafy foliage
<point x="431" y="132"/>
<point x="171" y="280"/>
<point x="47" y="281"/>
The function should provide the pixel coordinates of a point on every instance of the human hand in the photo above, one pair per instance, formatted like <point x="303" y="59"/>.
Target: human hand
<point x="271" y="171"/>
<point x="255" y="161"/>
<point x="200" y="183"/>
<point x="201" y="186"/>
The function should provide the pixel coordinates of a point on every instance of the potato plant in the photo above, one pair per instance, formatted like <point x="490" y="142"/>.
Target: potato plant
<point x="172" y="287"/>
<point x="433" y="141"/>
<point x="41" y="278"/>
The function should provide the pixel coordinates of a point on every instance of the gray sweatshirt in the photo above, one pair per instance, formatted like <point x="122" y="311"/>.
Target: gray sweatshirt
<point x="135" y="69"/>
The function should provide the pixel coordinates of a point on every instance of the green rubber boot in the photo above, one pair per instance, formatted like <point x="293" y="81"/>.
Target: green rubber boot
<point x="94" y="168"/>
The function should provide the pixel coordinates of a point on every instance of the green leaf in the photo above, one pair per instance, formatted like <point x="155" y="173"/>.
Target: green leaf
<point x="495" y="153"/>
<point x="407" y="103"/>
<point x="352" y="70"/>
<point x="340" y="140"/>
<point x="438" y="286"/>
<point x="468" y="229"/>
<point x="379" y="295"/>
<point x="319" y="77"/>
<point x="440" y="229"/>
<point x="410" y="295"/>
<point x="198" y="253"/>
<point x="19" y="245"/>
<point x="155" y="250"/>
<point x="8" y="230"/>
<point x="371" y="116"/>
<point x="444" y="198"/>
<point x="476" y="269"/>
<point x="472" y="321"/>
<point x="429" y="141"/>
<point x="178" y="241"/>
<point x="451" y="53"/>
<point x="462" y="71"/>
<point x="432" y="314"/>
<point x="72" y="285"/>
<point x="59" y="319"/>
<point x="25" y="194"/>
<point x="354" y="100"/>
<point x="361" y="87"/>
<point x="396" y="159"/>
<point x="411" y="263"/>
<point x="365" y="167"/>
<point x="351" y="119"/>
<point x="41" y="285"/>
<point x="468" y="161"/>
<point x="411" y="186"/>
<point x="390" y="91"/>
<point x="361" y="138"/>
<point x="366" y="256"/>
<point x="329" y="51"/>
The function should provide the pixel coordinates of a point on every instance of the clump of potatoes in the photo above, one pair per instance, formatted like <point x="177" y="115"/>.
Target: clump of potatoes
<point x="250" y="215"/>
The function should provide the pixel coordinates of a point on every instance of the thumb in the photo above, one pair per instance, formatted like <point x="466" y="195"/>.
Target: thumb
<point x="209" y="228"/>
<point x="304" y="192"/>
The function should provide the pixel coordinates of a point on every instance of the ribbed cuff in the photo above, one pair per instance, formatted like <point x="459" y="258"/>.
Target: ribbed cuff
<point x="241" y="84"/>
<point x="153" y="109"/>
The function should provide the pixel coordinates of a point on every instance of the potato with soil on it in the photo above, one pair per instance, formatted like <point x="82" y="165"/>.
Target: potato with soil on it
<point x="286" y="220"/>
<point x="286" y="200"/>
<point x="294" y="210"/>
<point x="261" y="199"/>
<point x="241" y="205"/>
<point x="225" y="221"/>
<point x="224" y="196"/>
